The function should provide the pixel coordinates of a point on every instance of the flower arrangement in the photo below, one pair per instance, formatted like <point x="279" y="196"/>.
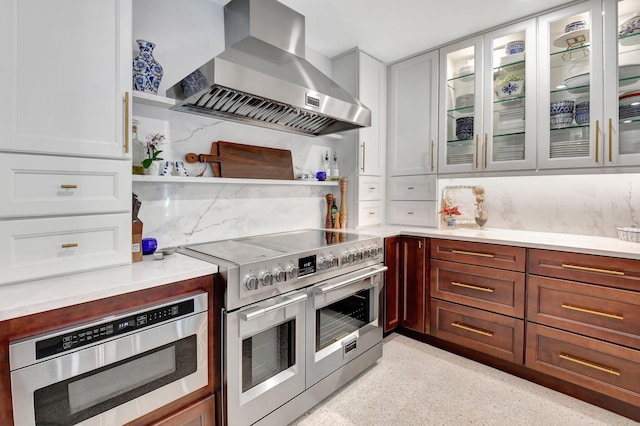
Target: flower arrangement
<point x="449" y="212"/>
<point x="152" y="142"/>
<point x="512" y="77"/>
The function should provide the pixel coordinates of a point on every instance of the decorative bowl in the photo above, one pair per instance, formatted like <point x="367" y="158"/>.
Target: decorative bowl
<point x="629" y="233"/>
<point x="464" y="127"/>
<point x="561" y="120"/>
<point x="575" y="26"/>
<point x="510" y="89"/>
<point x="630" y="26"/>
<point x="514" y="47"/>
<point x="564" y="106"/>
<point x="582" y="118"/>
<point x="582" y="107"/>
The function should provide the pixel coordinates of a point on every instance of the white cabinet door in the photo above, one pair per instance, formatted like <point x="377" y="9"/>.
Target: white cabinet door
<point x="571" y="73"/>
<point x="372" y="92"/>
<point x="461" y="68"/>
<point x="66" y="67"/>
<point x="413" y="116"/>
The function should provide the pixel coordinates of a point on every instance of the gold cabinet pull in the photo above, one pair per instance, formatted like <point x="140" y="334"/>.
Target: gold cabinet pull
<point x="590" y="364"/>
<point x="433" y="145"/>
<point x="473" y="287"/>
<point x="597" y="139"/>
<point x="372" y="188"/>
<point x="472" y="329"/>
<point x="126" y="122"/>
<point x="486" y="142"/>
<point x="409" y="212"/>
<point x="68" y="186"/>
<point x="477" y="138"/>
<point x="472" y="253"/>
<point x="591" y="311"/>
<point x="363" y="154"/>
<point x="69" y="245"/>
<point x="372" y="213"/>
<point x="411" y="187"/>
<point x="588" y="269"/>
<point x="610" y="140"/>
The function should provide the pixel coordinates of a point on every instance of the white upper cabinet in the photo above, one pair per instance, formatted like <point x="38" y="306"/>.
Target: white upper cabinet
<point x="510" y="87"/>
<point x="590" y="65"/>
<point x="413" y="116"/>
<point x="372" y="91"/>
<point x="66" y="68"/>
<point x="488" y="93"/>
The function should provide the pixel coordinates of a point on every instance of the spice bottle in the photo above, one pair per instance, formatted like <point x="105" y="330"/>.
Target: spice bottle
<point x="335" y="173"/>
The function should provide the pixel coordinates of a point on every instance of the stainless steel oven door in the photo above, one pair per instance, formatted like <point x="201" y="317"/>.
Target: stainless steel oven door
<point x="343" y="320"/>
<point x="264" y="356"/>
<point x="114" y="381"/>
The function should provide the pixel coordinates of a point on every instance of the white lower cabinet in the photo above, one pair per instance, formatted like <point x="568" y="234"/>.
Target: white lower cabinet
<point x="40" y="185"/>
<point x="415" y="213"/>
<point x="370" y="213"/>
<point x="34" y="248"/>
<point x="413" y="187"/>
<point x="370" y="188"/>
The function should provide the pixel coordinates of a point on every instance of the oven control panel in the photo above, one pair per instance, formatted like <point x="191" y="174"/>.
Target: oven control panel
<point x="293" y="271"/>
<point x="71" y="340"/>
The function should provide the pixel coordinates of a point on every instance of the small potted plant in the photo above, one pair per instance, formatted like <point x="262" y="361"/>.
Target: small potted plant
<point x="510" y="86"/>
<point x="449" y="214"/>
<point x="151" y="163"/>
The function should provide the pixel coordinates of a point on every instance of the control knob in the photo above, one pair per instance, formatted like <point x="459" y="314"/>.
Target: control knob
<point x="292" y="271"/>
<point x="348" y="257"/>
<point x="324" y="264"/>
<point x="358" y="256"/>
<point x="366" y="252"/>
<point x="266" y="278"/>
<point x="280" y="275"/>
<point x="333" y="261"/>
<point x="251" y="282"/>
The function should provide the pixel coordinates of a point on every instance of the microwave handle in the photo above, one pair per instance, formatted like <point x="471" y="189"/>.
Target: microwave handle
<point x="330" y="287"/>
<point x="256" y="312"/>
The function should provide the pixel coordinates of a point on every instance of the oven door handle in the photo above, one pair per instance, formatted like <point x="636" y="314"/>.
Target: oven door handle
<point x="330" y="287"/>
<point x="256" y="312"/>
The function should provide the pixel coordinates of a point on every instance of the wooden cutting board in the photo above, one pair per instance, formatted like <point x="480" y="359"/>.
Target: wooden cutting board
<point x="234" y="160"/>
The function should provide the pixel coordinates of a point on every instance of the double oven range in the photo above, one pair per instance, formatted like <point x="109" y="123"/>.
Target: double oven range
<point x="301" y="318"/>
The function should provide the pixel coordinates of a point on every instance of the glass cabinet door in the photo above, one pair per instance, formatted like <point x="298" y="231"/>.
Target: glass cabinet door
<point x="622" y="83"/>
<point x="509" y="141"/>
<point x="570" y="112"/>
<point x="461" y="69"/>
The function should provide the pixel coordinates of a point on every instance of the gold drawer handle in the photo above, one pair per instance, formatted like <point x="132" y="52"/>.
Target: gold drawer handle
<point x="586" y="268"/>
<point x="68" y="186"/>
<point x="409" y="212"/>
<point x="472" y="253"/>
<point x="411" y="187"/>
<point x="590" y="364"/>
<point x="70" y="245"/>
<point x="472" y="329"/>
<point x="373" y="188"/>
<point x="372" y="213"/>
<point x="590" y="311"/>
<point x="473" y="287"/>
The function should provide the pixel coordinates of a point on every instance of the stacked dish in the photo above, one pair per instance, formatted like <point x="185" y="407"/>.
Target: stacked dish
<point x="582" y="113"/>
<point x="629" y="106"/>
<point x="511" y="121"/>
<point x="510" y="153"/>
<point x="464" y="127"/>
<point x="561" y="113"/>
<point x="575" y="33"/>
<point x="465" y="100"/>
<point x="578" y="148"/>
<point x="458" y="153"/>
<point x="466" y="72"/>
<point x="630" y="26"/>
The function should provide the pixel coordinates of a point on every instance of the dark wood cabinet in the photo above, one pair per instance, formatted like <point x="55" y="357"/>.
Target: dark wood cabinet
<point x="407" y="284"/>
<point x="393" y="277"/>
<point x="415" y="289"/>
<point x="199" y="414"/>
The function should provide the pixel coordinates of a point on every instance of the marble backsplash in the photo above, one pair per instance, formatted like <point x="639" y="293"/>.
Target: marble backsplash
<point x="575" y="204"/>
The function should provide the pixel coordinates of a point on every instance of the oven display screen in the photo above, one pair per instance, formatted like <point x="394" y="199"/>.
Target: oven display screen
<point x="306" y="265"/>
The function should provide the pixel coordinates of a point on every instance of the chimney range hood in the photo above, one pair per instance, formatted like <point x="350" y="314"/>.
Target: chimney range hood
<point x="262" y="78"/>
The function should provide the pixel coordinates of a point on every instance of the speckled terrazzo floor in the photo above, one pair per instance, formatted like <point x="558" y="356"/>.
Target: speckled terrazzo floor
<point x="417" y="384"/>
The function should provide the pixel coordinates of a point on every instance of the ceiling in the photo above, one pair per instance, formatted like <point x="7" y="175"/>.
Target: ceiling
<point x="394" y="29"/>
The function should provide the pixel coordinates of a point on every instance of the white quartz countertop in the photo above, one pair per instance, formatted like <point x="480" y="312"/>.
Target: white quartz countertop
<point x="603" y="246"/>
<point x="31" y="297"/>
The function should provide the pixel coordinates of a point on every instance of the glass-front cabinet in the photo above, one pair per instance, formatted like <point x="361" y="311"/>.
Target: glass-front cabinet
<point x="589" y="100"/>
<point x="489" y="92"/>
<point x="509" y="107"/>
<point x="461" y="69"/>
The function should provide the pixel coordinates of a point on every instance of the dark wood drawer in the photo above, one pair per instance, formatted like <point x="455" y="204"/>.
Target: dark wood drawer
<point x="600" y="366"/>
<point x="493" y="334"/>
<point x="491" y="289"/>
<point x="482" y="254"/>
<point x="609" y="271"/>
<point x="601" y="312"/>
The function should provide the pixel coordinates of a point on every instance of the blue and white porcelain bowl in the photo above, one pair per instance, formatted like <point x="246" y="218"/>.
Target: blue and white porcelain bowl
<point x="514" y="47"/>
<point x="582" y="107"/>
<point x="575" y="26"/>
<point x="464" y="127"/>
<point x="582" y="118"/>
<point x="561" y="120"/>
<point x="562" y="107"/>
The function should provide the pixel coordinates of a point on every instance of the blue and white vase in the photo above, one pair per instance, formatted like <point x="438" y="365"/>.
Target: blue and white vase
<point x="147" y="73"/>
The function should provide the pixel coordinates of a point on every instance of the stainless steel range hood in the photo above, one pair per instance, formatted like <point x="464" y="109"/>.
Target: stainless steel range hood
<point x="263" y="79"/>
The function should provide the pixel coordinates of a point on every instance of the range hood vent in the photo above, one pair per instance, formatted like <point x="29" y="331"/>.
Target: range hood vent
<point x="262" y="78"/>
